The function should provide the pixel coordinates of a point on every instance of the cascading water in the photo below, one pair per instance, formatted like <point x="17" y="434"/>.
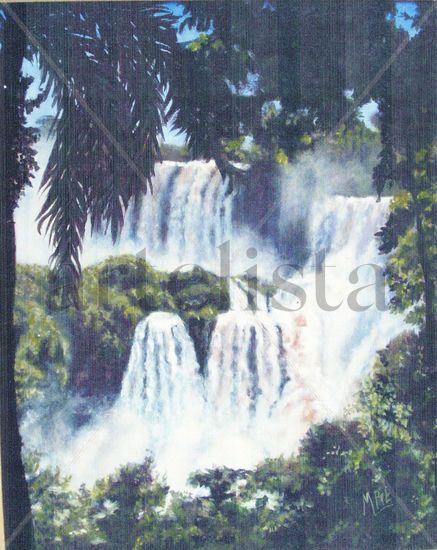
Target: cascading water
<point x="158" y="410"/>
<point x="161" y="380"/>
<point x="336" y="343"/>
<point x="185" y="221"/>
<point x="270" y="371"/>
<point x="254" y="395"/>
<point x="189" y="217"/>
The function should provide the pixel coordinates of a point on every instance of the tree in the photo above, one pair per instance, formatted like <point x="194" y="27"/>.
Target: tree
<point x="135" y="495"/>
<point x="110" y="101"/>
<point x="408" y="113"/>
<point x="409" y="133"/>
<point x="277" y="73"/>
<point x="63" y="517"/>
<point x="219" y="482"/>
<point x="220" y="517"/>
<point x="14" y="146"/>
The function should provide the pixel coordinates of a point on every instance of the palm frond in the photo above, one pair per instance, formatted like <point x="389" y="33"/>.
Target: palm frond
<point x="107" y="71"/>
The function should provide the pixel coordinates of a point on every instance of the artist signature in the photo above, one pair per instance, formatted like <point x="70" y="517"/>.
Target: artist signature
<point x="377" y="501"/>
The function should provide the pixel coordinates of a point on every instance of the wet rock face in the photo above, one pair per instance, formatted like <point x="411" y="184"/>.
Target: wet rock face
<point x="200" y="331"/>
<point x="199" y="296"/>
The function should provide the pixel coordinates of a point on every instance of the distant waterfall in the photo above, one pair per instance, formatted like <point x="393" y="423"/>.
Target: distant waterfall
<point x="188" y="217"/>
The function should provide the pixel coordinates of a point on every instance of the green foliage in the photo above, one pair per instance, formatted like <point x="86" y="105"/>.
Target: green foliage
<point x="198" y="294"/>
<point x="281" y="157"/>
<point x="63" y="518"/>
<point x="43" y="345"/>
<point x="88" y="348"/>
<point x="407" y="102"/>
<point x="106" y="137"/>
<point x="396" y="422"/>
<point x="356" y="142"/>
<point x="243" y="149"/>
<point x="219" y="482"/>
<point x="261" y="98"/>
<point x="115" y="514"/>
<point x="200" y="41"/>
<point x="136" y="499"/>
<point x="175" y="152"/>
<point x="409" y="237"/>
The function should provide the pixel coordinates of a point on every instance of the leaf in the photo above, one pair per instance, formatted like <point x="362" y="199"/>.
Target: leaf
<point x="281" y="157"/>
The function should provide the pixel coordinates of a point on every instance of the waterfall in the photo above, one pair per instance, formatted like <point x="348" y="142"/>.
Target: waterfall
<point x="246" y="369"/>
<point x="189" y="217"/>
<point x="271" y="370"/>
<point x="336" y="348"/>
<point x="184" y="222"/>
<point x="160" y="409"/>
<point x="161" y="381"/>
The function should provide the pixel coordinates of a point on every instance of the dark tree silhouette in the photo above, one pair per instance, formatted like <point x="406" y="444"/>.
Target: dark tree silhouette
<point x="107" y="72"/>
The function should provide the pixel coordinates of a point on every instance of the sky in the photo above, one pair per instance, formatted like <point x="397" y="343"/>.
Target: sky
<point x="410" y="9"/>
<point x="32" y="247"/>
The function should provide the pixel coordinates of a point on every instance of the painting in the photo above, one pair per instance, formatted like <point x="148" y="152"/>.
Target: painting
<point x="218" y="266"/>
